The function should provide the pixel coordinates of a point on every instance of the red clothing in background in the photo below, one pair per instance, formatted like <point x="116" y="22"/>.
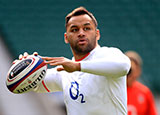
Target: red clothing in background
<point x="140" y="100"/>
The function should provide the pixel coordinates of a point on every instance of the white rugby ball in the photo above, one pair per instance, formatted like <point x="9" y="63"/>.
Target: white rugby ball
<point x="26" y="74"/>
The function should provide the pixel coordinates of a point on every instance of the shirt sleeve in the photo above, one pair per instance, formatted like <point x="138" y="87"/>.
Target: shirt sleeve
<point x="111" y="63"/>
<point x="51" y="82"/>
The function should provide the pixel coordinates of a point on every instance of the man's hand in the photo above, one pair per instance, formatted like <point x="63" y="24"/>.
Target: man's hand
<point x="24" y="56"/>
<point x="67" y="65"/>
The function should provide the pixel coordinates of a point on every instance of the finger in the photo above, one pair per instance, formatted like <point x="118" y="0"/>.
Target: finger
<point x="20" y="56"/>
<point x="47" y="58"/>
<point x="52" y="58"/>
<point x="60" y="69"/>
<point x="55" y="63"/>
<point x="49" y="62"/>
<point x="25" y="54"/>
<point x="35" y="53"/>
<point x="15" y="61"/>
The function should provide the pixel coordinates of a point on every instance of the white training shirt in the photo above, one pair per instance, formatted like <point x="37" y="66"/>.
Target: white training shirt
<point x="98" y="89"/>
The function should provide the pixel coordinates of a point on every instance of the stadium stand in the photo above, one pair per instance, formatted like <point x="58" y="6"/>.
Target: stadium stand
<point x="37" y="25"/>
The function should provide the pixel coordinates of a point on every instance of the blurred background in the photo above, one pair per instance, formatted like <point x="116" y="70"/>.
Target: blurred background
<point x="38" y="25"/>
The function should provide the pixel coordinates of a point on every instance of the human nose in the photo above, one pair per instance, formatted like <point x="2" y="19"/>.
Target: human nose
<point x="81" y="33"/>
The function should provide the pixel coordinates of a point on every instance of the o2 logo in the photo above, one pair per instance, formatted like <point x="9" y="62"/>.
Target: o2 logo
<point x="74" y="92"/>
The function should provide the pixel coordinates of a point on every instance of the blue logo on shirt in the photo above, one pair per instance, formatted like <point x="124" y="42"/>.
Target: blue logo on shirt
<point x="74" y="92"/>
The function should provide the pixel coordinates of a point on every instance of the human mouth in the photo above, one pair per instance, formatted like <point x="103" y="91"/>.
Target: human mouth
<point x="82" y="41"/>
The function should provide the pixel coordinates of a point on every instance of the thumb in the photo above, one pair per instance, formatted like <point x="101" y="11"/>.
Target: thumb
<point x="15" y="61"/>
<point x="60" y="69"/>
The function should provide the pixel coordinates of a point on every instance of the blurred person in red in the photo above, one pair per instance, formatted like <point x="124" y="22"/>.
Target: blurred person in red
<point x="140" y="98"/>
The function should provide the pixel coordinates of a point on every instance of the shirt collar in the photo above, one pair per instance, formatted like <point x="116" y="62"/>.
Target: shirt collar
<point x="88" y="54"/>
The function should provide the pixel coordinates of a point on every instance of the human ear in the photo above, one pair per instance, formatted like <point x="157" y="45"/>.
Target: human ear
<point x="65" y="38"/>
<point x="97" y="34"/>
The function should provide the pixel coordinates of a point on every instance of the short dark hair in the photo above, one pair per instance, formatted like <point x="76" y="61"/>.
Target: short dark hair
<point x="80" y="11"/>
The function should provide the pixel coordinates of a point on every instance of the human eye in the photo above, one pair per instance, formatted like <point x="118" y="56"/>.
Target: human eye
<point x="74" y="30"/>
<point x="87" y="28"/>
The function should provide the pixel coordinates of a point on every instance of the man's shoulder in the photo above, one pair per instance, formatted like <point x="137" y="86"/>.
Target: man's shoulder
<point x="109" y="49"/>
<point x="143" y="88"/>
<point x="104" y="51"/>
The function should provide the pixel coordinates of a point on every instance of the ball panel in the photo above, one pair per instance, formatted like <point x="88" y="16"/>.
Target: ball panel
<point x="25" y="71"/>
<point x="32" y="83"/>
<point x="18" y="68"/>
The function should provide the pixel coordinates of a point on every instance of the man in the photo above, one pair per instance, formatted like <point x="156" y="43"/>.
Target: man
<point x="94" y="81"/>
<point x="140" y="98"/>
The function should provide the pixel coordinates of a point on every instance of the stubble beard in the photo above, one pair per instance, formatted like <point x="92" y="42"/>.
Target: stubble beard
<point x="83" y="49"/>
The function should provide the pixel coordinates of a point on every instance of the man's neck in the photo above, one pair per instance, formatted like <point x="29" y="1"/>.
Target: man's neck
<point x="80" y="57"/>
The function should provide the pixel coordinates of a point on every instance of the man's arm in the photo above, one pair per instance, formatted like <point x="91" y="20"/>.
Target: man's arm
<point x="110" y="68"/>
<point x="116" y="65"/>
<point x="51" y="82"/>
<point x="110" y="62"/>
<point x="67" y="64"/>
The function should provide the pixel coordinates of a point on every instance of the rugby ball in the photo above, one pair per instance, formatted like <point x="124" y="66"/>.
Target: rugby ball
<point x="26" y="74"/>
